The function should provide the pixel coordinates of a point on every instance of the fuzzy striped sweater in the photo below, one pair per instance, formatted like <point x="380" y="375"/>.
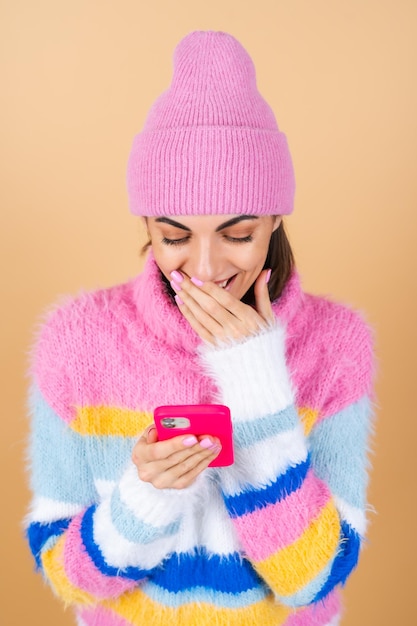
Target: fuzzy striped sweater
<point x="266" y="541"/>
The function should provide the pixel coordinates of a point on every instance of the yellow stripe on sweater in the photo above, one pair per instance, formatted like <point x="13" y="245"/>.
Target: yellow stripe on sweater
<point x="105" y="420"/>
<point x="308" y="418"/>
<point x="293" y="567"/>
<point x="52" y="561"/>
<point x="138" y="609"/>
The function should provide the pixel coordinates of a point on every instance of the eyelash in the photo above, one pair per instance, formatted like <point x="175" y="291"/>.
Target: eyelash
<point x="183" y="240"/>
<point x="246" y="239"/>
<point x="174" y="242"/>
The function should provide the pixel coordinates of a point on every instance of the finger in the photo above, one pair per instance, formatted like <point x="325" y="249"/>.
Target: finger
<point x="200" y="454"/>
<point x="168" y="452"/>
<point x="188" y="478"/>
<point x="204" y="445"/>
<point x="240" y="316"/>
<point x="205" y="307"/>
<point x="207" y="295"/>
<point x="223" y="327"/>
<point x="152" y="435"/>
<point x="148" y="448"/>
<point x="262" y="300"/>
<point x="212" y="308"/>
<point x="147" y="434"/>
<point x="199" y="328"/>
<point x="183" y="474"/>
<point x="168" y="473"/>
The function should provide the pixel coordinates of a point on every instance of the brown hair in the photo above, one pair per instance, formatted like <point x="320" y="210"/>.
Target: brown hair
<point x="280" y="259"/>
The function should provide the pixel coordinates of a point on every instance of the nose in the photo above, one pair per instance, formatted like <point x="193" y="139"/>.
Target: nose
<point x="206" y="261"/>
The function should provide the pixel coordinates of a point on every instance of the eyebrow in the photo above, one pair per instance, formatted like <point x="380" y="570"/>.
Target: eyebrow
<point x="236" y="220"/>
<point x="232" y="222"/>
<point x="167" y="220"/>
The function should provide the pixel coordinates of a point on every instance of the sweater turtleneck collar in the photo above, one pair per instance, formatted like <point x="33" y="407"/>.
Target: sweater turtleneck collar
<point x="159" y="311"/>
<point x="165" y="321"/>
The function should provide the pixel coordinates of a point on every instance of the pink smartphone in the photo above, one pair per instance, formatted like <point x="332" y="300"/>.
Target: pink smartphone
<point x="198" y="419"/>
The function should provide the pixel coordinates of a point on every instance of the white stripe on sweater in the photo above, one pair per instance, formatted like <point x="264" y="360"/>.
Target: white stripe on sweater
<point x="252" y="375"/>
<point x="263" y="462"/>
<point x="353" y="515"/>
<point x="202" y="525"/>
<point x="46" y="510"/>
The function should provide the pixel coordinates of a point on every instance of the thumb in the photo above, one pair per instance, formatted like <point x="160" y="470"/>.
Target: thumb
<point x="262" y="300"/>
<point x="151" y="434"/>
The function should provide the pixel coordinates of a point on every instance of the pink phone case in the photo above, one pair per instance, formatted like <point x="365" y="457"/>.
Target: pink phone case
<point x="198" y="419"/>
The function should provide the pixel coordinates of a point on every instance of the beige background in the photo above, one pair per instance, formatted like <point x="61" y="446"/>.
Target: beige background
<point x="77" y="80"/>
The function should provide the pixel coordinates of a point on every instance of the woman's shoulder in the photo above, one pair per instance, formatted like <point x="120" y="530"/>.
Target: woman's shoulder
<point x="322" y="320"/>
<point x="331" y="348"/>
<point x="74" y="319"/>
<point x="92" y="303"/>
<point x="340" y="327"/>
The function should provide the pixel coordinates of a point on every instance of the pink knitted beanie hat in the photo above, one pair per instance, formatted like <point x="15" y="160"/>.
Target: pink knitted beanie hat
<point x="211" y="144"/>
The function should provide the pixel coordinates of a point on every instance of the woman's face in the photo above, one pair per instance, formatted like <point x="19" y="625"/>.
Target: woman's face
<point x="228" y="250"/>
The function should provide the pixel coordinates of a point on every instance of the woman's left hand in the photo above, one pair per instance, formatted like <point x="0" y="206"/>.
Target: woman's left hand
<point x="216" y="315"/>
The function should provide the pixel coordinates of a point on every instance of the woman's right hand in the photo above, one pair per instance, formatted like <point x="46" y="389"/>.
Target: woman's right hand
<point x="174" y="463"/>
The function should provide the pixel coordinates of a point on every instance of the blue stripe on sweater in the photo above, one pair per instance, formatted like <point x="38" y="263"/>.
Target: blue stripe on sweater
<point x="287" y="483"/>
<point x="307" y="594"/>
<point x="222" y="573"/>
<point x="248" y="433"/>
<point x="336" y="572"/>
<point x="180" y="572"/>
<point x="339" y="449"/>
<point x="135" y="529"/>
<point x="59" y="463"/>
<point x="86" y="531"/>
<point x="208" y="596"/>
<point x="39" y="534"/>
<point x="345" y="561"/>
<point x="109" y="453"/>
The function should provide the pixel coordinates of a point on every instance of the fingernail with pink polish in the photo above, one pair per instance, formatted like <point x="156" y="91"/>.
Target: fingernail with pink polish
<point x="177" y="276"/>
<point x="189" y="441"/>
<point x="175" y="285"/>
<point x="208" y="444"/>
<point x="197" y="281"/>
<point x="268" y="276"/>
<point x="178" y="300"/>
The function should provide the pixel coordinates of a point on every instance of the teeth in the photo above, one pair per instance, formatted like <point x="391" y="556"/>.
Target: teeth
<point x="223" y="284"/>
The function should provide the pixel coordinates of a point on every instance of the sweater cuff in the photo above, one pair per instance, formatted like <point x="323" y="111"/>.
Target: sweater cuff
<point x="156" y="507"/>
<point x="251" y="376"/>
<point x="138" y="525"/>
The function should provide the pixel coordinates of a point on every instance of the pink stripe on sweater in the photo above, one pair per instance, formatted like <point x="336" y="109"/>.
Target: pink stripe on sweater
<point x="81" y="570"/>
<point x="316" y="615"/>
<point x="261" y="537"/>
<point x="98" y="616"/>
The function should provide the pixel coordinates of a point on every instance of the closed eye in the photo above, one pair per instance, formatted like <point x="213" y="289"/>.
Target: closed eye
<point x="239" y="239"/>
<point x="174" y="242"/>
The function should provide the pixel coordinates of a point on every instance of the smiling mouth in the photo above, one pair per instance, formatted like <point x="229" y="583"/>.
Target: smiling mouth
<point x="225" y="284"/>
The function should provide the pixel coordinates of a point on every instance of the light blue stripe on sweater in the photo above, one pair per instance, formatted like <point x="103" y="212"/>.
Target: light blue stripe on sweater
<point x="247" y="433"/>
<point x="339" y="447"/>
<point x="60" y="470"/>
<point x="108" y="455"/>
<point x="134" y="529"/>
<point x="201" y="594"/>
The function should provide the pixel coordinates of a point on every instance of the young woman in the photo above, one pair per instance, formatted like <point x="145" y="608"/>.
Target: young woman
<point x="133" y="531"/>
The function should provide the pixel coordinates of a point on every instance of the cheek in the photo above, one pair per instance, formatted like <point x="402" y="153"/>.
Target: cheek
<point x="254" y="259"/>
<point x="167" y="259"/>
